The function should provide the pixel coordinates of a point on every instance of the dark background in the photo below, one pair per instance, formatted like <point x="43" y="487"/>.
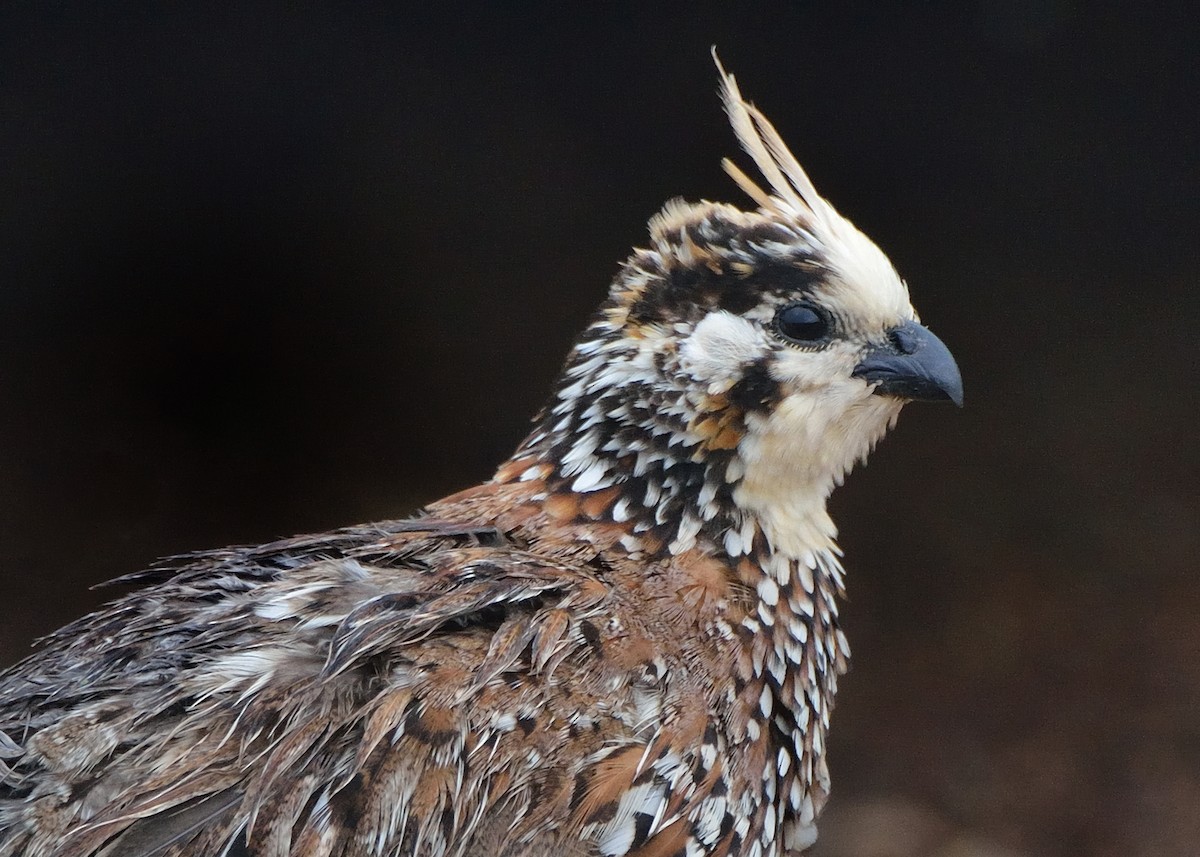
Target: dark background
<point x="290" y="267"/>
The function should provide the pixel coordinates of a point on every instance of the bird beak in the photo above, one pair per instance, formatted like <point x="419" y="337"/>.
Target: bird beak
<point x="914" y="364"/>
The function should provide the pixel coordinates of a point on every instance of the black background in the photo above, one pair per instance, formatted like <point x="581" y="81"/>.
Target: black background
<point x="276" y="268"/>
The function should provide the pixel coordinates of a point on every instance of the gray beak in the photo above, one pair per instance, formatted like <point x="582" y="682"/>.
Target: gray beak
<point x="915" y="365"/>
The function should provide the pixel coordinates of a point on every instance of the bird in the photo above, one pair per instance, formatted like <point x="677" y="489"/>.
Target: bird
<point x="623" y="644"/>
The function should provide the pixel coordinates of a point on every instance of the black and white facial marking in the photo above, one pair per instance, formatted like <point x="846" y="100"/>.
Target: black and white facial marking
<point x="700" y="392"/>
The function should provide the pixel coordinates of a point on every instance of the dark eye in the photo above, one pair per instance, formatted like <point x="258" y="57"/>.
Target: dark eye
<point x="802" y="323"/>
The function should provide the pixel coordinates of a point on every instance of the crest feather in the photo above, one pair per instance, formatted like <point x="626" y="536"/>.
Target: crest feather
<point x="793" y="191"/>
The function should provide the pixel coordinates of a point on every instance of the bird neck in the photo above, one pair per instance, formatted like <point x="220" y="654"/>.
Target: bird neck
<point x="676" y="475"/>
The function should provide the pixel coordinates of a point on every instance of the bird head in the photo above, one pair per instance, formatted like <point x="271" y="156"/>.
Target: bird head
<point x="742" y="363"/>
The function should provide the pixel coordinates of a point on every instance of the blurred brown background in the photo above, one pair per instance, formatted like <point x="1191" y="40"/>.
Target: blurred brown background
<point x="290" y="267"/>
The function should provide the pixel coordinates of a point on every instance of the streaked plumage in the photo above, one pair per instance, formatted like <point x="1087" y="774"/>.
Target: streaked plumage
<point x="625" y="643"/>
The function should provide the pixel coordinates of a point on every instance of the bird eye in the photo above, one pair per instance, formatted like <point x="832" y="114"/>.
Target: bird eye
<point x="801" y="323"/>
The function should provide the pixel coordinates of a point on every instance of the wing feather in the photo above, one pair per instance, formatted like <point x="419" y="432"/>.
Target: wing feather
<point x="273" y="695"/>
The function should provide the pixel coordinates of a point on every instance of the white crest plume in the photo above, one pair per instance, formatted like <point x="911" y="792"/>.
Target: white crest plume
<point x="794" y="193"/>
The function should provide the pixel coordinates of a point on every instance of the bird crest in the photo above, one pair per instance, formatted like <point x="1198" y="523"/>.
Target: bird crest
<point x="794" y="194"/>
<point x="793" y="225"/>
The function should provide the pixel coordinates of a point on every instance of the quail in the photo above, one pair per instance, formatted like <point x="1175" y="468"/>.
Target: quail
<point x="625" y="643"/>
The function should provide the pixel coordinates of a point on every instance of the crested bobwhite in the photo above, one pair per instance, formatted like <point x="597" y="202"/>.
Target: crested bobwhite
<point x="625" y="643"/>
